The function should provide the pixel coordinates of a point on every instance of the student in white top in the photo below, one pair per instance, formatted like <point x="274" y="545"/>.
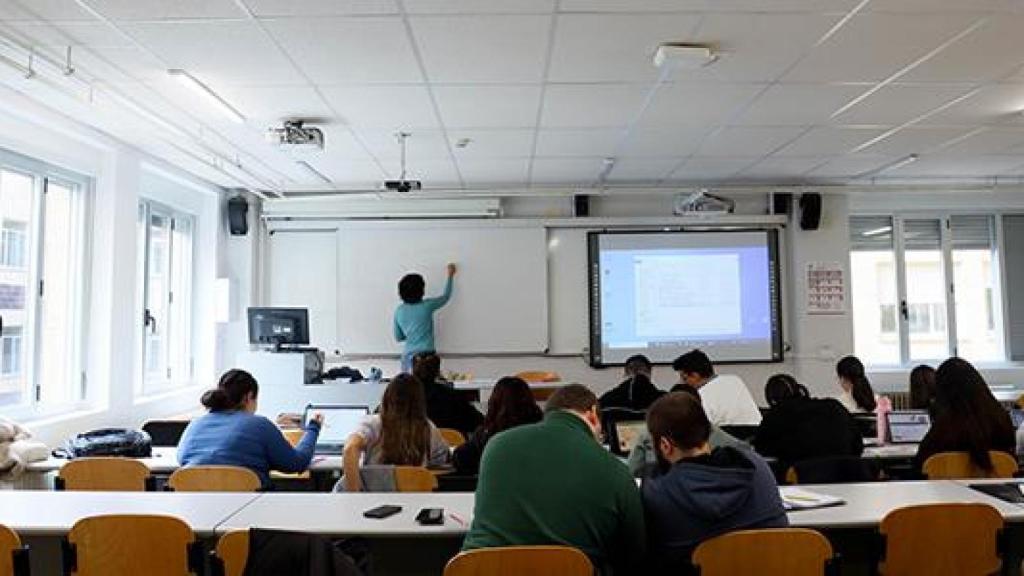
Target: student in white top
<point x="726" y="399"/>
<point x="857" y="396"/>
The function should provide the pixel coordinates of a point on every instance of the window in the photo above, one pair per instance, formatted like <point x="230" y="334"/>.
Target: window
<point x="925" y="288"/>
<point x="165" y="291"/>
<point x="41" y="284"/>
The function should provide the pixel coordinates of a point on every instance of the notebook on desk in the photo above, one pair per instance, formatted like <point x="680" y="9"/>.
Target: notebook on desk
<point x="794" y="498"/>
<point x="340" y="421"/>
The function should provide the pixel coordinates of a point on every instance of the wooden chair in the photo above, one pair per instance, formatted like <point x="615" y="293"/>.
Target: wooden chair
<point x="233" y="552"/>
<point x="414" y="479"/>
<point x="775" y="552"/>
<point x="214" y="479"/>
<point x="958" y="465"/>
<point x="13" y="556"/>
<point x="452" y="437"/>
<point x="941" y="540"/>
<point x="105" y="474"/>
<point x="517" y="560"/>
<point x="128" y="545"/>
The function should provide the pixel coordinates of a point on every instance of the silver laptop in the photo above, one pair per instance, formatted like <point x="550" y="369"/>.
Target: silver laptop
<point x="340" y="421"/>
<point x="908" y="426"/>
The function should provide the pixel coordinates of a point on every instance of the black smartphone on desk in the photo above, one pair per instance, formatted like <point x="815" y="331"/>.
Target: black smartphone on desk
<point x="431" y="516"/>
<point x="381" y="512"/>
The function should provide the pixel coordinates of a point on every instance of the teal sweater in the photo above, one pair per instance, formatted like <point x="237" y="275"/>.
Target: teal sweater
<point x="414" y="323"/>
<point x="552" y="483"/>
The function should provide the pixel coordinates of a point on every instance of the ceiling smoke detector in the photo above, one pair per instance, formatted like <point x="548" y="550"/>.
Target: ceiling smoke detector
<point x="294" y="135"/>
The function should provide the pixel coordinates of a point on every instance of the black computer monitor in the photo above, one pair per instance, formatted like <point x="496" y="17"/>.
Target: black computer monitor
<point x="278" y="326"/>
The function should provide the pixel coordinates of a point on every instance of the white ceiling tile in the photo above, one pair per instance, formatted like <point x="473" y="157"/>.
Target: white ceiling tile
<point x="747" y="141"/>
<point x="352" y="173"/>
<point x="274" y="104"/>
<point x="996" y="104"/>
<point x="641" y="171"/>
<point x="339" y="144"/>
<point x="479" y="6"/>
<point x="164" y="9"/>
<point x="591" y="106"/>
<point x="871" y="47"/>
<point x="851" y="166"/>
<point x="990" y="141"/>
<point x="421" y="146"/>
<point x="989" y="52"/>
<point x="896" y="104"/>
<point x="439" y="173"/>
<point x="62" y="10"/>
<point x="705" y="5"/>
<point x="676" y="141"/>
<point x="976" y="6"/>
<point x="221" y="52"/>
<point x="830" y="140"/>
<point x="307" y="8"/>
<point x="776" y="167"/>
<point x="915" y="140"/>
<point x="614" y="48"/>
<point x="485" y="171"/>
<point x="492" y="143"/>
<point x="705" y="169"/>
<point x="340" y="50"/>
<point x="944" y="166"/>
<point x="114" y="64"/>
<point x="698" y="104"/>
<point x="552" y="171"/>
<point x="578" y="142"/>
<point x="798" y="104"/>
<point x="65" y="34"/>
<point x="393" y="108"/>
<point x="478" y="52"/>
<point x="488" y="106"/>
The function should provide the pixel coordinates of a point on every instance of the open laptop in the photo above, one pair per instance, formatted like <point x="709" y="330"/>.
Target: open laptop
<point x="623" y="435"/>
<point x="908" y="426"/>
<point x="340" y="421"/>
<point x="1017" y="416"/>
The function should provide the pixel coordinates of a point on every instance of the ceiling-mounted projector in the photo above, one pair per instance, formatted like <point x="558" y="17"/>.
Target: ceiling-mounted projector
<point x="403" y="185"/>
<point x="294" y="134"/>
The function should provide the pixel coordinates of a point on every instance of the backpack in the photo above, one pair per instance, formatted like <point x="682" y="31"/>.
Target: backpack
<point x="108" y="442"/>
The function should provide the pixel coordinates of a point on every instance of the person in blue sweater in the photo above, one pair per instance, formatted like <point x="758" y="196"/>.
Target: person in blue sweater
<point x="414" y="318"/>
<point x="231" y="434"/>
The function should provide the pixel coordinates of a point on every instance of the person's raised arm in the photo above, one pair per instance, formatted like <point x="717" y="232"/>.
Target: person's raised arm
<point x="350" y="462"/>
<point x="280" y="454"/>
<point x="435" y="303"/>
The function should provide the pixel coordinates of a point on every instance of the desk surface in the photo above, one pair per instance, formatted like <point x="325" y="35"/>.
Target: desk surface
<point x="43" y="513"/>
<point x="165" y="461"/>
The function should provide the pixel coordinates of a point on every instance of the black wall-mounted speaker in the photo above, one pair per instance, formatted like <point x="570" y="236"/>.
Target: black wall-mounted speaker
<point x="581" y="205"/>
<point x="782" y="203"/>
<point x="238" y="216"/>
<point x="810" y="211"/>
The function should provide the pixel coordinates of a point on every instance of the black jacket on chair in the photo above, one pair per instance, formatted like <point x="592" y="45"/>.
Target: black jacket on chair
<point x="806" y="429"/>
<point x="276" y="552"/>
<point x="447" y="408"/>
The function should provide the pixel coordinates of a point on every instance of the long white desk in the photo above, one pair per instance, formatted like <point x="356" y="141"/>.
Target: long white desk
<point x="165" y="461"/>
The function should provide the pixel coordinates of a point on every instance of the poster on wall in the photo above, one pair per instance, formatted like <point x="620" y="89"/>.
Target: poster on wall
<point x="826" y="288"/>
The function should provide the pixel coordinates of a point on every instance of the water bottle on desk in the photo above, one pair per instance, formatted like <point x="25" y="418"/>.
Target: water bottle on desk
<point x="376" y="375"/>
<point x="882" y="409"/>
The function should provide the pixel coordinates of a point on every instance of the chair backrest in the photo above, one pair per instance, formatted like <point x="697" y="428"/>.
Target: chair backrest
<point x="539" y="376"/>
<point x="233" y="552"/>
<point x="941" y="540"/>
<point x="105" y="474"/>
<point x="834" y="470"/>
<point x="452" y="437"/>
<point x="165" y="432"/>
<point x="128" y="545"/>
<point x="958" y="465"/>
<point x="773" y="552"/>
<point x="10" y="549"/>
<point x="414" y="479"/>
<point x="517" y="560"/>
<point x="214" y="479"/>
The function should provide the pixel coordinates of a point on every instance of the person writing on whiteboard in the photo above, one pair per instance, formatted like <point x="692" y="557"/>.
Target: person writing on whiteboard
<point x="726" y="399"/>
<point x="414" y="318"/>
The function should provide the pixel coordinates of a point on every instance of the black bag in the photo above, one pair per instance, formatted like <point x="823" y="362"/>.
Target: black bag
<point x="108" y="442"/>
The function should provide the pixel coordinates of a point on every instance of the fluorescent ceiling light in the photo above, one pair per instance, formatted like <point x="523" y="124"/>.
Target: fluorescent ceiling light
<point x="209" y="95"/>
<point x="894" y="165"/>
<point x="877" y="231"/>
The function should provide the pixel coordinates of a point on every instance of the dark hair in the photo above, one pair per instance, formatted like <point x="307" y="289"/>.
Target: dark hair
<point x="922" y="387"/>
<point x="637" y="364"/>
<point x="426" y="367"/>
<point x="511" y="404"/>
<point x="782" y="387"/>
<point x="679" y="417"/>
<point x="405" y="430"/>
<point x="231" y="391"/>
<point x="852" y="370"/>
<point x="694" y="361"/>
<point x="410" y="288"/>
<point x="689" y="390"/>
<point x="965" y="402"/>
<point x="576" y="397"/>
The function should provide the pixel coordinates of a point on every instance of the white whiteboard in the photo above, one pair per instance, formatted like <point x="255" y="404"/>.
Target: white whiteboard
<point x="303" y="273"/>
<point x="500" y="301"/>
<point x="569" y="290"/>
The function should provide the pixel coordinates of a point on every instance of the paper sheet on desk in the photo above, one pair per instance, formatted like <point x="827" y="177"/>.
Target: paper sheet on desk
<point x="800" y="499"/>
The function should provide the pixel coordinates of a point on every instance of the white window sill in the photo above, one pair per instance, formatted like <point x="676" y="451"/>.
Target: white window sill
<point x="42" y="417"/>
<point x="171" y="391"/>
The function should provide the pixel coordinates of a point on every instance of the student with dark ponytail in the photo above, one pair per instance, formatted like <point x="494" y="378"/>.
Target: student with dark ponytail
<point x="857" y="396"/>
<point x="231" y="434"/>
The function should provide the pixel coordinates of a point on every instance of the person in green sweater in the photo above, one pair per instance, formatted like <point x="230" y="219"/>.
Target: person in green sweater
<point x="552" y="483"/>
<point x="414" y="317"/>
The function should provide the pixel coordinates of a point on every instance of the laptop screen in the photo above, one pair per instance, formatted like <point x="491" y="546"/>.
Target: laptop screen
<point x="628" y="433"/>
<point x="339" y="422"/>
<point x="1017" y="416"/>
<point x="908" y="427"/>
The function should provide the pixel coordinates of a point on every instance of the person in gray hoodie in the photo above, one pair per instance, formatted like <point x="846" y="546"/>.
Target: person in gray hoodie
<point x="698" y="493"/>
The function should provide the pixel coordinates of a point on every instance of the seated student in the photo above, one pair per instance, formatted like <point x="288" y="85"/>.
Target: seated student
<point x="399" y="435"/>
<point x="511" y="404"/>
<point x="968" y="418"/>
<point x="798" y="427"/>
<point x="857" y="396"/>
<point x="446" y="408"/>
<point x="636" y="392"/>
<point x="922" y="387"/>
<point x="232" y="435"/>
<point x="726" y="399"/>
<point x="643" y="458"/>
<point x="699" y="493"/>
<point x="553" y="483"/>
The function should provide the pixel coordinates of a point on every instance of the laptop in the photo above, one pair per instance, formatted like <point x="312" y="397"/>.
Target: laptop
<point x="340" y="421"/>
<point x="624" y="435"/>
<point x="1017" y="416"/>
<point x="908" y="426"/>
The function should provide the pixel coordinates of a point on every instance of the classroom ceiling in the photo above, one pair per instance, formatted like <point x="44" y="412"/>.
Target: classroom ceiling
<point x="544" y="91"/>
